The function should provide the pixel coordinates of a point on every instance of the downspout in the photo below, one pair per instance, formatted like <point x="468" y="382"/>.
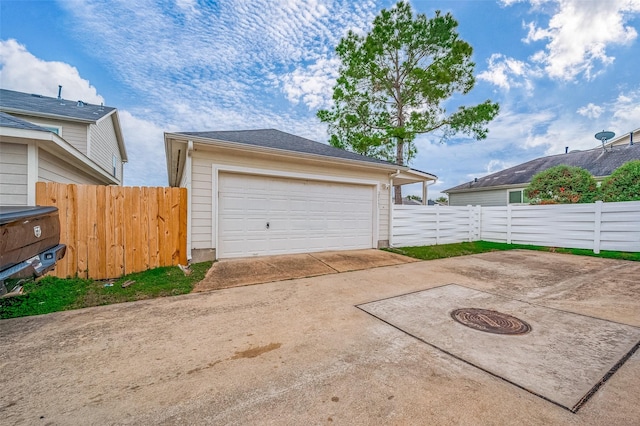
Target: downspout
<point x="425" y="191"/>
<point x="391" y="177"/>
<point x="187" y="184"/>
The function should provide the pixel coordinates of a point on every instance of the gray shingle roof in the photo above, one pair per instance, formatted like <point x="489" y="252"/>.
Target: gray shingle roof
<point x="7" y="120"/>
<point x="31" y="104"/>
<point x="271" y="138"/>
<point x="596" y="161"/>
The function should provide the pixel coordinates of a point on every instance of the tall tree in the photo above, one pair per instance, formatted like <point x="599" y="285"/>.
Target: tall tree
<point x="394" y="81"/>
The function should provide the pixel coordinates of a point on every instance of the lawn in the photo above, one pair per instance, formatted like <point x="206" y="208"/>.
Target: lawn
<point x="475" y="247"/>
<point x="52" y="294"/>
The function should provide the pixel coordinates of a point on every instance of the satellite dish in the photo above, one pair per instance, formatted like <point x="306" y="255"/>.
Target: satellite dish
<point x="604" y="136"/>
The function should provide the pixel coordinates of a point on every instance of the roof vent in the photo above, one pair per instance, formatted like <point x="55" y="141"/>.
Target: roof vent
<point x="101" y="106"/>
<point x="59" y="91"/>
<point x="475" y="180"/>
<point x="80" y="103"/>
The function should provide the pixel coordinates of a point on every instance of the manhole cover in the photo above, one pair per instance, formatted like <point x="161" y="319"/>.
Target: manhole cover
<point x="490" y="321"/>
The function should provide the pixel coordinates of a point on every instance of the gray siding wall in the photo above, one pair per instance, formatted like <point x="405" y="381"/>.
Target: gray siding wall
<point x="104" y="145"/>
<point x="13" y="174"/>
<point x="496" y="197"/>
<point x="74" y="133"/>
<point x="53" y="169"/>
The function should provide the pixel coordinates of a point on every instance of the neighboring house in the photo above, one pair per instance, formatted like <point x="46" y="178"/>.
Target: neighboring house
<point x="631" y="138"/>
<point x="506" y="187"/>
<point x="263" y="192"/>
<point x="45" y="139"/>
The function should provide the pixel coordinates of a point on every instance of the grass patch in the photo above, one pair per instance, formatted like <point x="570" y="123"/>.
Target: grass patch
<point x="475" y="247"/>
<point x="51" y="294"/>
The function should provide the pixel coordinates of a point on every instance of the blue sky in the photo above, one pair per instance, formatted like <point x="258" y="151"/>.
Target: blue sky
<point x="561" y="70"/>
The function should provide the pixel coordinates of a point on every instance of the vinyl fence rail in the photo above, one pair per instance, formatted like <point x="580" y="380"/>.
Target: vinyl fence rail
<point x="597" y="226"/>
<point x="111" y="231"/>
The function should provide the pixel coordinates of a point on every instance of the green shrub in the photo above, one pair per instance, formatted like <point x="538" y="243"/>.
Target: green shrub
<point x="623" y="184"/>
<point x="562" y="185"/>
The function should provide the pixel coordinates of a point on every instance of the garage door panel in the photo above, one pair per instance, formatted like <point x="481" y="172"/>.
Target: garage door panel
<point x="303" y="216"/>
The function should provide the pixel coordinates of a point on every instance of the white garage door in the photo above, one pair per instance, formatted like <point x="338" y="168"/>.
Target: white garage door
<point x="260" y="215"/>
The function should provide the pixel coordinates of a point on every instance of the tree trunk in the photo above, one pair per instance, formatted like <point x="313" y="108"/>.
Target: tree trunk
<point x="397" y="189"/>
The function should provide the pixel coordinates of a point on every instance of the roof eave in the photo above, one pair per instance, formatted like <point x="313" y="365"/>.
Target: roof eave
<point x="48" y="115"/>
<point x="282" y="152"/>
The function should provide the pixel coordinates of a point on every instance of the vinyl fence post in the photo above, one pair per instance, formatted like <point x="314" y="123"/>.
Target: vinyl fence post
<point x="471" y="222"/>
<point x="478" y="235"/>
<point x="597" y="226"/>
<point x="437" y="224"/>
<point x="509" y="211"/>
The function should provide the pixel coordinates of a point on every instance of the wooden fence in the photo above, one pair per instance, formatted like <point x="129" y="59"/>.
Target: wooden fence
<point x="111" y="231"/>
<point x="597" y="226"/>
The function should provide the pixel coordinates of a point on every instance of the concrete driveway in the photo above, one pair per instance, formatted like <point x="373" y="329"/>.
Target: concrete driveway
<point x="306" y="351"/>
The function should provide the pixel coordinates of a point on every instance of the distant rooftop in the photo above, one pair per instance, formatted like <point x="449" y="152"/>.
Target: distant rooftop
<point x="597" y="161"/>
<point x="13" y="102"/>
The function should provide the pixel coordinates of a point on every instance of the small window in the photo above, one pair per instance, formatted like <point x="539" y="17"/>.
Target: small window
<point x="54" y="129"/>
<point x="515" y="197"/>
<point x="115" y="166"/>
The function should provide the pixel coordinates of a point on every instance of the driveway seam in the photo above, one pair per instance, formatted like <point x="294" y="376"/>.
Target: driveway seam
<point x="324" y="263"/>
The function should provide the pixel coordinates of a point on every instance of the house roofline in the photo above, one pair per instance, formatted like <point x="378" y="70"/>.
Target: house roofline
<point x="30" y="113"/>
<point x="182" y="138"/>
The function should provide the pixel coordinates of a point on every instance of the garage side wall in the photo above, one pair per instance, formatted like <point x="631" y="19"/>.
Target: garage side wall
<point x="203" y="199"/>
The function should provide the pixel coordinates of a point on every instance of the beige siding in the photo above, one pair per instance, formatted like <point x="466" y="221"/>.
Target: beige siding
<point x="13" y="174"/>
<point x="53" y="169"/>
<point x="104" y="145"/>
<point x="74" y="133"/>
<point x="203" y="203"/>
<point x="496" y="197"/>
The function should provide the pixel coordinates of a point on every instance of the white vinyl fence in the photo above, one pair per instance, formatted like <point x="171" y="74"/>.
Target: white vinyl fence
<point x="597" y="226"/>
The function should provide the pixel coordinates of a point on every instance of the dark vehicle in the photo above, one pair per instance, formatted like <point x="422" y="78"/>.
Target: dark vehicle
<point x="29" y="245"/>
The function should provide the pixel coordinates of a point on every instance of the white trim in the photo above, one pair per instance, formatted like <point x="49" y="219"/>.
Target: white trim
<point x="188" y="170"/>
<point x="32" y="172"/>
<point x="215" y="175"/>
<point x="89" y="140"/>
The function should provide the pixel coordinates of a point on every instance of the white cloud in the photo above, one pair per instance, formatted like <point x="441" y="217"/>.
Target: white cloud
<point x="626" y="112"/>
<point x="506" y="72"/>
<point x="590" y="110"/>
<point x="313" y="84"/>
<point x="228" y="64"/>
<point x="144" y="141"/>
<point x="23" y="72"/>
<point x="578" y="35"/>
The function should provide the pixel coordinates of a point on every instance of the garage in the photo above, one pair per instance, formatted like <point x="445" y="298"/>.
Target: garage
<point x="264" y="215"/>
<point x="268" y="192"/>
